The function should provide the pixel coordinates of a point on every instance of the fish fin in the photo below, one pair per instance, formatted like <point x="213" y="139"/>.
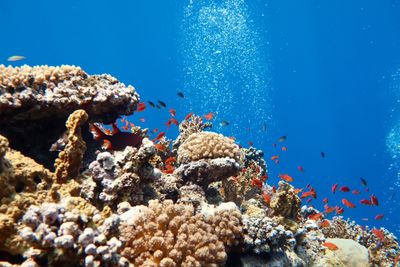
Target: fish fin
<point x="97" y="132"/>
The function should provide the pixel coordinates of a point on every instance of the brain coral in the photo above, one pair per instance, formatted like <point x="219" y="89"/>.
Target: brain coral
<point x="167" y="234"/>
<point x="207" y="145"/>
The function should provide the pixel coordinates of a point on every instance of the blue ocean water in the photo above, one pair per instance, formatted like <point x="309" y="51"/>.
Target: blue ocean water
<point x="324" y="74"/>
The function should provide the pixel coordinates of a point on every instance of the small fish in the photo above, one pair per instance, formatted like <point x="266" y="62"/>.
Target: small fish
<point x="286" y="177"/>
<point x="297" y="190"/>
<point x="266" y="198"/>
<point x="159" y="147"/>
<point x="160" y="135"/>
<point x="142" y="120"/>
<point x="355" y="192"/>
<point x="300" y="168"/>
<point x="330" y="246"/>
<point x="209" y="116"/>
<point x="140" y="107"/>
<point x="151" y="104"/>
<point x="15" y="58"/>
<point x="264" y="127"/>
<point x="339" y="210"/>
<point x="365" y="219"/>
<point x="250" y="143"/>
<point x="256" y="182"/>
<point x="188" y="116"/>
<point x="282" y="138"/>
<point x="170" y="160"/>
<point x="274" y="145"/>
<point x="348" y="203"/>
<point x="172" y="112"/>
<point x="162" y="104"/>
<point x="374" y="200"/>
<point x="363" y="181"/>
<point x="344" y="189"/>
<point x="274" y="157"/>
<point x="224" y="123"/>
<point x="323" y="154"/>
<point x="180" y="94"/>
<point x="329" y="209"/>
<point x="172" y="121"/>
<point x="284" y="148"/>
<point x="155" y="130"/>
<point x="379" y="217"/>
<point x="325" y="200"/>
<point x="324" y="223"/>
<point x="264" y="178"/>
<point x="315" y="217"/>
<point x="378" y="234"/>
<point x="158" y="106"/>
<point x="365" y="202"/>
<point x="309" y="200"/>
<point x="311" y="193"/>
<point x="334" y="187"/>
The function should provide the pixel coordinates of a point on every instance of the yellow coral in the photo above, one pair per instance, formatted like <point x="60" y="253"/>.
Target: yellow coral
<point x="207" y="145"/>
<point x="167" y="234"/>
<point x="69" y="160"/>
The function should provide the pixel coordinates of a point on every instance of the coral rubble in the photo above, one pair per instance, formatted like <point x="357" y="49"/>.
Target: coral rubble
<point x="198" y="200"/>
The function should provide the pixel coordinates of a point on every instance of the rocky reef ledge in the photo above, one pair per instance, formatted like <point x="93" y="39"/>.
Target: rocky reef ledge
<point x="199" y="200"/>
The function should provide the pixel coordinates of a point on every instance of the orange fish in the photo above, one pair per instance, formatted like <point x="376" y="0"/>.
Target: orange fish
<point x="160" y="135"/>
<point x="286" y="177"/>
<point x="311" y="193"/>
<point x="264" y="178"/>
<point x="365" y="202"/>
<point x="324" y="223"/>
<point x="334" y="187"/>
<point x="169" y="160"/>
<point x="172" y="112"/>
<point x="330" y="246"/>
<point x="379" y="217"/>
<point x="188" y="116"/>
<point x="297" y="190"/>
<point x="315" y="217"/>
<point x="142" y="120"/>
<point x="325" y="200"/>
<point x="339" y="210"/>
<point x="329" y="209"/>
<point x="209" y="116"/>
<point x="267" y="198"/>
<point x="378" y="233"/>
<point x="348" y="203"/>
<point x="140" y="107"/>
<point x="284" y="148"/>
<point x="355" y="192"/>
<point x="274" y="157"/>
<point x="155" y="130"/>
<point x="256" y="182"/>
<point x="159" y="147"/>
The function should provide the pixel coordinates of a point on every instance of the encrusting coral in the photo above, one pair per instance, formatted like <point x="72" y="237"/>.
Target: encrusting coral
<point x="69" y="160"/>
<point x="166" y="234"/>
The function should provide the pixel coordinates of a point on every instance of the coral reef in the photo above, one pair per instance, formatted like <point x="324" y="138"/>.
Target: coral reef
<point x="203" y="202"/>
<point x="167" y="234"/>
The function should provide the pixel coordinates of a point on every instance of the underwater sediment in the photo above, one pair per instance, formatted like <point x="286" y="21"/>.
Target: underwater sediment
<point x="198" y="200"/>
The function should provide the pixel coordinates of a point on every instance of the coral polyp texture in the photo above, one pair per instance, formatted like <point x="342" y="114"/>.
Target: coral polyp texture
<point x="67" y="201"/>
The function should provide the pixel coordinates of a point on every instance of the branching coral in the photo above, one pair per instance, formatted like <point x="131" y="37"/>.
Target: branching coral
<point x="69" y="160"/>
<point x="167" y="234"/>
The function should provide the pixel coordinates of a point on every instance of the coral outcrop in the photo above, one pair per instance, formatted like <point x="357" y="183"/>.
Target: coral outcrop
<point x="205" y="201"/>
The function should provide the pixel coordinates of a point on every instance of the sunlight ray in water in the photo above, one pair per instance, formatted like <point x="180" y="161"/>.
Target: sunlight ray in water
<point x="222" y="51"/>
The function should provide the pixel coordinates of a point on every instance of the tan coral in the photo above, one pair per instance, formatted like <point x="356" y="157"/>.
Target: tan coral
<point x="208" y="145"/>
<point x="167" y="234"/>
<point x="69" y="160"/>
<point x="286" y="206"/>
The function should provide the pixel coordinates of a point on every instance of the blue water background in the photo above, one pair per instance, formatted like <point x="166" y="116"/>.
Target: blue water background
<point x="325" y="74"/>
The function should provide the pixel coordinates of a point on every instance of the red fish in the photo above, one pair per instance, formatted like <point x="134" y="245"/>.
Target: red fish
<point x="297" y="190"/>
<point x="170" y="160"/>
<point x="374" y="200"/>
<point x="378" y="234"/>
<point x="274" y="157"/>
<point x="355" y="192"/>
<point x="300" y="168"/>
<point x="286" y="177"/>
<point x="115" y="140"/>
<point x="329" y="209"/>
<point x="256" y="182"/>
<point x="309" y="200"/>
<point x="172" y="121"/>
<point x="140" y="107"/>
<point x="209" y="116"/>
<point x="324" y="223"/>
<point x="284" y="148"/>
<point x="188" y="116"/>
<point x="250" y="143"/>
<point x="142" y="120"/>
<point x="155" y="130"/>
<point x="365" y="201"/>
<point x="334" y="187"/>
<point x="160" y="135"/>
<point x="339" y="210"/>
<point x="348" y="203"/>
<point x="267" y="198"/>
<point x="264" y="178"/>
<point x="274" y="188"/>
<point x="172" y="112"/>
<point x="344" y="189"/>
<point x="311" y="193"/>
<point x="159" y="147"/>
<point x="325" y="200"/>
<point x="330" y="246"/>
<point x="315" y="217"/>
<point x="379" y="217"/>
